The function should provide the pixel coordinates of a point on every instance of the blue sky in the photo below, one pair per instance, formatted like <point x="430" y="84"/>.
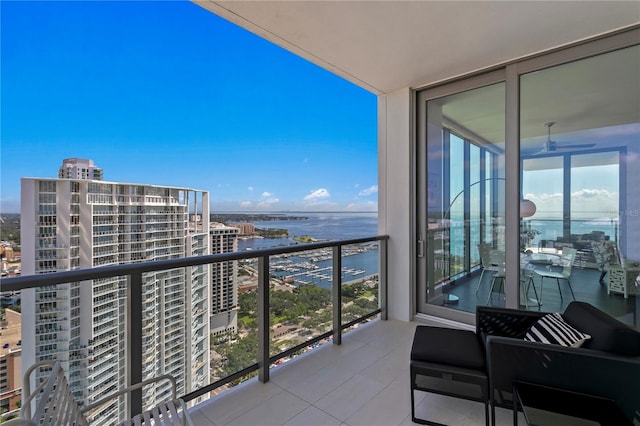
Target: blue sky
<point x="168" y="93"/>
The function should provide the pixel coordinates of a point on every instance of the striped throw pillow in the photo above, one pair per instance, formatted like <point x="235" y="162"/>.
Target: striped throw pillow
<point x="551" y="328"/>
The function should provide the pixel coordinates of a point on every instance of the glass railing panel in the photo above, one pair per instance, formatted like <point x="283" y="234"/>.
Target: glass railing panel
<point x="89" y="339"/>
<point x="234" y="332"/>
<point x="360" y="280"/>
<point x="300" y="305"/>
<point x="199" y="326"/>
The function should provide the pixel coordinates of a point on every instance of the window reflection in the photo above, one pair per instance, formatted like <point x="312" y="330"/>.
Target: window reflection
<point x="579" y="144"/>
<point x="465" y="186"/>
<point x="580" y="140"/>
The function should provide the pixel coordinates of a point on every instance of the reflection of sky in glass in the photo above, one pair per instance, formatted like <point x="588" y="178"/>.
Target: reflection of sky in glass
<point x="594" y="190"/>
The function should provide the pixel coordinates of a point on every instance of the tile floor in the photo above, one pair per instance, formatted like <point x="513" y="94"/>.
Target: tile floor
<point x="364" y="381"/>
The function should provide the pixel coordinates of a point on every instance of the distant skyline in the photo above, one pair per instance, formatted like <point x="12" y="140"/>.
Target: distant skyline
<point x="167" y="93"/>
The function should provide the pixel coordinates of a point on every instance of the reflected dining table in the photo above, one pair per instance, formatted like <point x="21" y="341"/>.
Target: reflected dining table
<point x="528" y="264"/>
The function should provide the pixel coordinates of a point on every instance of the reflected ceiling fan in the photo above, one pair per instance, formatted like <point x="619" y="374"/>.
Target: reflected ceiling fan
<point x="552" y="146"/>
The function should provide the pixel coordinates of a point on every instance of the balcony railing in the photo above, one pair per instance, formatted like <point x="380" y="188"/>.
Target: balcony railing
<point x="330" y="326"/>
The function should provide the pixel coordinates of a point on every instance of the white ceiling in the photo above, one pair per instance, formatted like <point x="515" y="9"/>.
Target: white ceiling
<point x="383" y="46"/>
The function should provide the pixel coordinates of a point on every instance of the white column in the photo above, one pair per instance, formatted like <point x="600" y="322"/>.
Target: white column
<point x="395" y="197"/>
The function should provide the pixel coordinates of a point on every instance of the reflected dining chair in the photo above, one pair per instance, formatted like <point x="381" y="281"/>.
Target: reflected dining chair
<point x="488" y="262"/>
<point x="565" y="260"/>
<point x="498" y="276"/>
<point x="527" y="272"/>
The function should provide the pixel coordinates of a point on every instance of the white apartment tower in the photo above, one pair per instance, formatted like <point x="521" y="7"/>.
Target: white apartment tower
<point x="82" y="223"/>
<point x="224" y="283"/>
<point x="79" y="168"/>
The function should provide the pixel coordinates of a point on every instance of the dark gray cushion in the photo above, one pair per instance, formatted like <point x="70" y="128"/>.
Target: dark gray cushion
<point x="460" y="348"/>
<point x="607" y="333"/>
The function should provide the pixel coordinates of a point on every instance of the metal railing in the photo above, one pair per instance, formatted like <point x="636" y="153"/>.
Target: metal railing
<point x="135" y="312"/>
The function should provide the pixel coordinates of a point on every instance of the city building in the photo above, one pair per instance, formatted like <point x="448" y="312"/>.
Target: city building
<point x="79" y="168"/>
<point x="245" y="228"/>
<point x="10" y="363"/>
<point x="73" y="223"/>
<point x="224" y="280"/>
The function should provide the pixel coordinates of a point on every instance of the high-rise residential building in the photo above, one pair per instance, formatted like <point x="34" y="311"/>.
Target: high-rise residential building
<point x="76" y="223"/>
<point x="79" y="168"/>
<point x="224" y="283"/>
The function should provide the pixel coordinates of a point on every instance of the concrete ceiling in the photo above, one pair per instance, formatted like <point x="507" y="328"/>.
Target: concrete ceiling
<point x="383" y="46"/>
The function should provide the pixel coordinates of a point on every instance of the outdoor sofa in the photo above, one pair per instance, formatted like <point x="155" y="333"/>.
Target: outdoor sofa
<point x="453" y="362"/>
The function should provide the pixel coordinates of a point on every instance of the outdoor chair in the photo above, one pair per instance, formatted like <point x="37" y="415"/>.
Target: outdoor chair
<point x="56" y="406"/>
<point x="591" y="353"/>
<point x="450" y="362"/>
<point x="566" y="260"/>
<point x="602" y="359"/>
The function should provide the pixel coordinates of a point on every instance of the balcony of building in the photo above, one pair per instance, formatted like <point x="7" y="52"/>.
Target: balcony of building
<point x="345" y="297"/>
<point x="364" y="381"/>
<point x="351" y="371"/>
<point x="419" y="58"/>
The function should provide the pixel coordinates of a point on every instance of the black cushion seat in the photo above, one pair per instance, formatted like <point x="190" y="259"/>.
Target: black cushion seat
<point x="459" y="348"/>
<point x="451" y="362"/>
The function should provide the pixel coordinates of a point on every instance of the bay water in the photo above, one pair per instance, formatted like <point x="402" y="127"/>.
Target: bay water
<point x="357" y="262"/>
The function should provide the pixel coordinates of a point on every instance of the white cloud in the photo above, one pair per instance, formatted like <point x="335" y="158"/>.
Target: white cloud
<point x="373" y="189"/>
<point x="317" y="194"/>
<point x="250" y="188"/>
<point x="593" y="193"/>
<point x="588" y="201"/>
<point x="246" y="204"/>
<point x="367" y="206"/>
<point x="268" y="202"/>
<point x="266" y="194"/>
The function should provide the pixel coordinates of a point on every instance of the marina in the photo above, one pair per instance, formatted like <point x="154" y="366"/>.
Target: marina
<point x="315" y="266"/>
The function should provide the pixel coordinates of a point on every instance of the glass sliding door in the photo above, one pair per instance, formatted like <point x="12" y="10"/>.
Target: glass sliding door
<point x="461" y="152"/>
<point x="580" y="156"/>
<point x="564" y="129"/>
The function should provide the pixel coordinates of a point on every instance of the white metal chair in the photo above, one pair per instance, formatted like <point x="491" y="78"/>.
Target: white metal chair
<point x="488" y="262"/>
<point x="498" y="276"/>
<point x="565" y="260"/>
<point x="57" y="406"/>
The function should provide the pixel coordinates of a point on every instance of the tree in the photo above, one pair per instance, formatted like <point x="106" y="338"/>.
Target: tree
<point x="247" y="303"/>
<point x="239" y="355"/>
